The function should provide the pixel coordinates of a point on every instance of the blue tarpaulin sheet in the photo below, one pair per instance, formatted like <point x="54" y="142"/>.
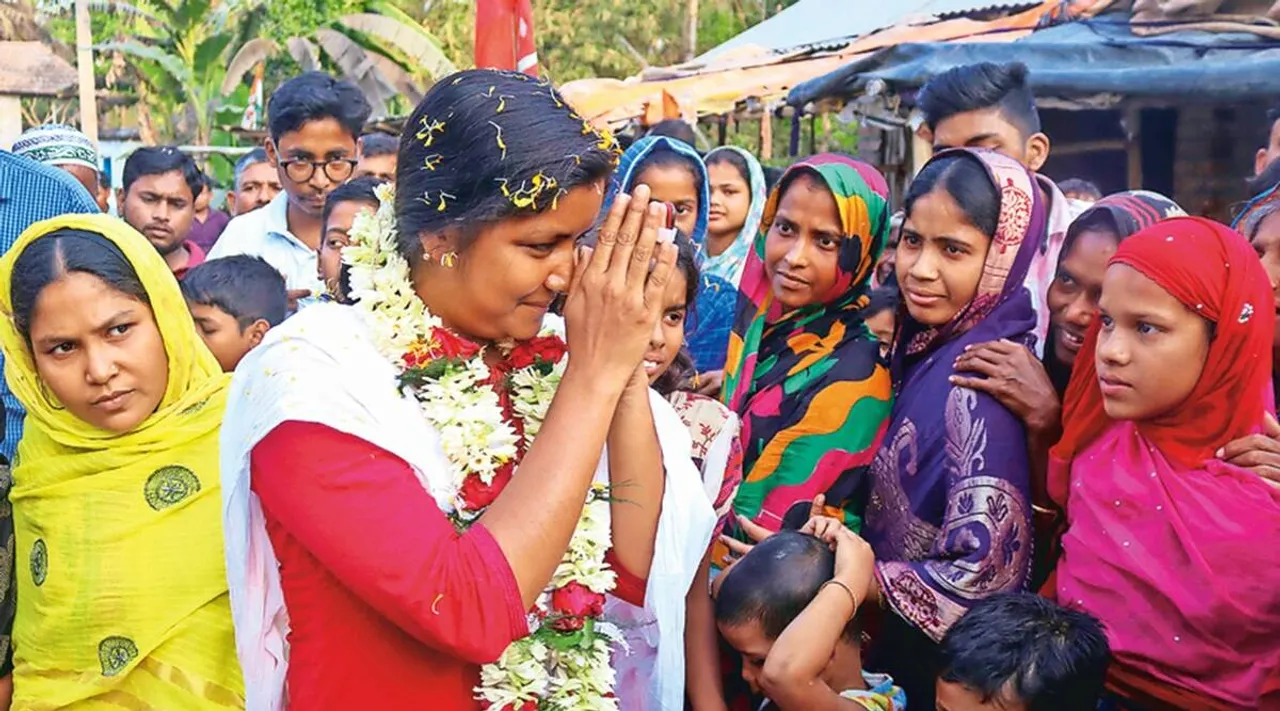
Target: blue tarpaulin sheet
<point x="1082" y="59"/>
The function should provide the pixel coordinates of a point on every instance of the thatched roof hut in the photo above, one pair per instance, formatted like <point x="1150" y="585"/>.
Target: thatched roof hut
<point x="28" y="69"/>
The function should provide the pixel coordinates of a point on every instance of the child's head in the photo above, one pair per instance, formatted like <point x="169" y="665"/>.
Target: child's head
<point x="666" y="363"/>
<point x="1021" y="652"/>
<point x="378" y="157"/>
<point x="314" y="120"/>
<point x="881" y="315"/>
<point x="340" y="210"/>
<point x="766" y="590"/>
<point x="235" y="301"/>
<point x="674" y="177"/>
<point x="730" y="179"/>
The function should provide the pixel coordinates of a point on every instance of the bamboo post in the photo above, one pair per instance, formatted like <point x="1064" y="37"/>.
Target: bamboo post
<point x="766" y="134"/>
<point x="84" y="66"/>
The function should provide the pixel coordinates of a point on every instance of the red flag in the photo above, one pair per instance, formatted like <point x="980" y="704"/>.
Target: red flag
<point x="504" y="36"/>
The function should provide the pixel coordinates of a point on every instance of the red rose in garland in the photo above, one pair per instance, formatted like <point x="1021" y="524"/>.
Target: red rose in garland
<point x="577" y="600"/>
<point x="543" y="349"/>
<point x="477" y="494"/>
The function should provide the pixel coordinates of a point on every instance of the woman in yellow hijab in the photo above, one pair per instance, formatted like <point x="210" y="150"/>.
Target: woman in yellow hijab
<point x="121" y="583"/>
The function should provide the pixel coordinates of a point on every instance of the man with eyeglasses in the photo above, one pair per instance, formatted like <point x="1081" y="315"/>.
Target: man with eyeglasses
<point x="314" y="121"/>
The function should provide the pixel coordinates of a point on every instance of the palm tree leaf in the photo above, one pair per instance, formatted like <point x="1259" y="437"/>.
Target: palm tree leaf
<point x="357" y="67"/>
<point x="254" y="51"/>
<point x="398" y="77"/>
<point x="304" y="53"/>
<point x="419" y="45"/>
<point x="169" y="62"/>
<point x="119" y="8"/>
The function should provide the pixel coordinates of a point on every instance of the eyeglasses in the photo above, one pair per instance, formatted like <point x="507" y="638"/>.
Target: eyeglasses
<point x="335" y="169"/>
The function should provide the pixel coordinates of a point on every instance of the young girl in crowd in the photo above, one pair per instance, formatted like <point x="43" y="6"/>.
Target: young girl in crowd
<point x="122" y="590"/>
<point x="340" y="210"/>
<point x="789" y="609"/>
<point x="1162" y="542"/>
<point x="355" y="494"/>
<point x="676" y="174"/>
<point x="882" y="315"/>
<point x="737" y="204"/>
<point x="950" y="513"/>
<point x="804" y="373"/>
<point x="717" y="450"/>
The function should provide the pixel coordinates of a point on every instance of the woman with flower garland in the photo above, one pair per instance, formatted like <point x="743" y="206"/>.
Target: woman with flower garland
<point x="383" y="549"/>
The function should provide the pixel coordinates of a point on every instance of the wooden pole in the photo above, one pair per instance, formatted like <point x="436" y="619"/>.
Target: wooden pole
<point x="766" y="134"/>
<point x="692" y="50"/>
<point x="84" y="65"/>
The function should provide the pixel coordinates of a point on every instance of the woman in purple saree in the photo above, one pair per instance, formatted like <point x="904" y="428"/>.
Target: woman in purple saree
<point x="949" y="515"/>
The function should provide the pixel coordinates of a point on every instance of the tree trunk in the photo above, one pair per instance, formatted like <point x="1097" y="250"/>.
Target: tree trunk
<point x="692" y="49"/>
<point x="84" y="65"/>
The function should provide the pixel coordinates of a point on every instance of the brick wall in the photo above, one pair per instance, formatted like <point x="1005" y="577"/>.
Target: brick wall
<point x="1215" y="146"/>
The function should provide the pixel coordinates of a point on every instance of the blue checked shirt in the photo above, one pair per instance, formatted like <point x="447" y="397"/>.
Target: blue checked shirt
<point x="30" y="192"/>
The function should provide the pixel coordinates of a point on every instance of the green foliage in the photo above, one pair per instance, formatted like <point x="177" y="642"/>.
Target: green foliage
<point x="301" y="18"/>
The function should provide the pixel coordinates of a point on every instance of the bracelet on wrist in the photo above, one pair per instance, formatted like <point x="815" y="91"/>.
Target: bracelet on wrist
<point x="852" y="598"/>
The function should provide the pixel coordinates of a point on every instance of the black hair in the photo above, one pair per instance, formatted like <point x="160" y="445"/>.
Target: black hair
<point x="207" y="182"/>
<point x="966" y="180"/>
<point x="61" y="252"/>
<point x="682" y="371"/>
<point x="315" y="96"/>
<point x="246" y="288"/>
<point x="661" y="156"/>
<point x="625" y="140"/>
<point x="732" y="158"/>
<point x="358" y="190"/>
<point x="1082" y="187"/>
<point x="158" y="160"/>
<point x="1264" y="181"/>
<point x="484" y="146"/>
<point x="771" y="177"/>
<point x="675" y="128"/>
<point x="884" y="298"/>
<point x="974" y="87"/>
<point x="378" y="144"/>
<point x="1020" y="647"/>
<point x="773" y="583"/>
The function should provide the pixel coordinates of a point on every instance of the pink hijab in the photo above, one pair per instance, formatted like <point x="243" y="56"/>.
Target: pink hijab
<point x="1173" y="550"/>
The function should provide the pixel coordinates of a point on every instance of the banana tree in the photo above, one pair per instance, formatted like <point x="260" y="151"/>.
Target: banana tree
<point x="380" y="49"/>
<point x="179" y="50"/>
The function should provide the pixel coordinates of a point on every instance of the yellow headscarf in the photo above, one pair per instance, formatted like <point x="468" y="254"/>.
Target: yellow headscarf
<point x="122" y="592"/>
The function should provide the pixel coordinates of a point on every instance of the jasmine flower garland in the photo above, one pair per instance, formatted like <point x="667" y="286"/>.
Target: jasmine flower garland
<point x="487" y="417"/>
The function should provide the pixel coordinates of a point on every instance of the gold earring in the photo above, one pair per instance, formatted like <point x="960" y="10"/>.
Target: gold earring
<point x="448" y="260"/>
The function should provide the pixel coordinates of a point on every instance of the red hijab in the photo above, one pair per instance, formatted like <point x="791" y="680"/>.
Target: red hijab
<point x="1213" y="270"/>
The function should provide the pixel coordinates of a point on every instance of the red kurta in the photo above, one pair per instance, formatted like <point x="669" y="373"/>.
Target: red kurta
<point x="389" y="606"/>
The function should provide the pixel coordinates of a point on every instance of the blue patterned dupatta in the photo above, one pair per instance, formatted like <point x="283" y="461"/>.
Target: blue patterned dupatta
<point x="949" y="516"/>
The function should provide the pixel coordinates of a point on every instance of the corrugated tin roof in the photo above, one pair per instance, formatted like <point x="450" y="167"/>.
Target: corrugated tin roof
<point x="823" y="24"/>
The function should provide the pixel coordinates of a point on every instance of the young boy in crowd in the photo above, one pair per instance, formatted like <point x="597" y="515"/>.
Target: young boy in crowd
<point x="158" y="199"/>
<point x="313" y="121"/>
<point x="1021" y="652"/>
<point x="378" y="157"/>
<point x="235" y="301"/>
<point x="789" y="608"/>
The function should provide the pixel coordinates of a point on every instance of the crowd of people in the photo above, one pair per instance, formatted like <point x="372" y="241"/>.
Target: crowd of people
<point x="511" y="413"/>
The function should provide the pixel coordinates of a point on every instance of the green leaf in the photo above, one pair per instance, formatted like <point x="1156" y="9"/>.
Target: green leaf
<point x="170" y="62"/>
<point x="209" y="53"/>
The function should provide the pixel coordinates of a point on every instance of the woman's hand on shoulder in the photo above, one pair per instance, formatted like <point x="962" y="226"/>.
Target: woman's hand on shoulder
<point x="615" y="296"/>
<point x="1259" y="453"/>
<point x="1011" y="374"/>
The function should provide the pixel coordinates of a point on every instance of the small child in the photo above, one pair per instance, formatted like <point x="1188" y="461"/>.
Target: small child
<point x="881" y="314"/>
<point x="789" y="608"/>
<point x="235" y="301"/>
<point x="1021" y="652"/>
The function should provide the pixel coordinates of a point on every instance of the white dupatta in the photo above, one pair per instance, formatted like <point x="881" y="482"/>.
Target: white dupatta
<point x="321" y="367"/>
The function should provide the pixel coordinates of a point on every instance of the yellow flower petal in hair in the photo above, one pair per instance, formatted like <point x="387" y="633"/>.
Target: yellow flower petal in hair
<point x="444" y="205"/>
<point x="430" y="129"/>
<point x="501" y="144"/>
<point x="433" y="161"/>
<point x="526" y="196"/>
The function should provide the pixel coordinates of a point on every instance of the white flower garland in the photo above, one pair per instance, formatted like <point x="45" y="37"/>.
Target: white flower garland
<point x="564" y="663"/>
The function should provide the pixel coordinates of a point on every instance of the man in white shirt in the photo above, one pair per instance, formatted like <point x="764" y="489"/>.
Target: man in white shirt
<point x="314" y="121"/>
